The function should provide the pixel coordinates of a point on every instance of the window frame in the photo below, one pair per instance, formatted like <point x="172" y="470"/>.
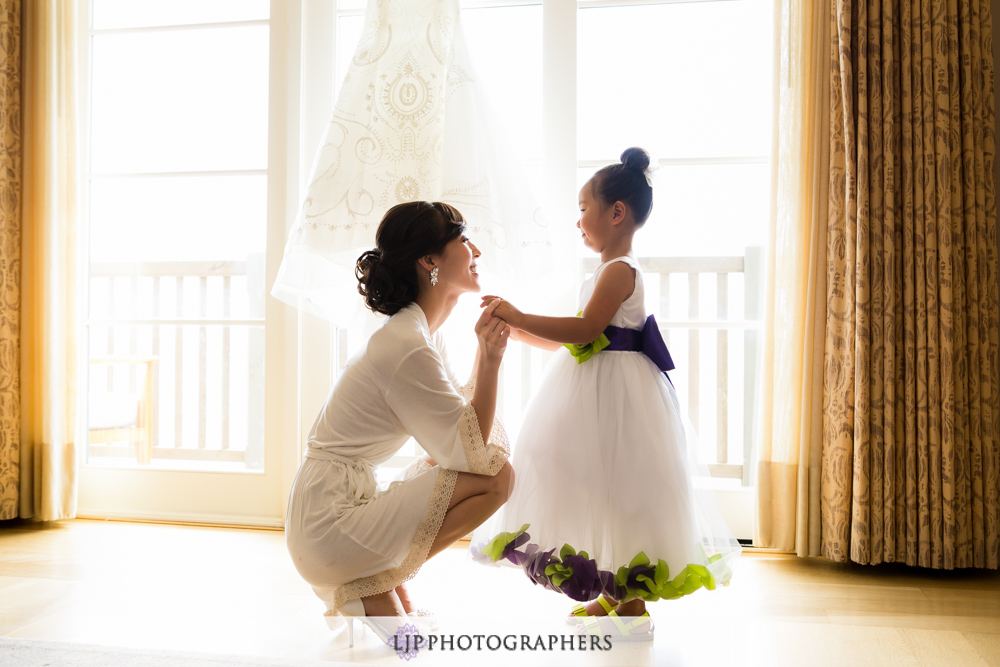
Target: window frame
<point x="245" y="498"/>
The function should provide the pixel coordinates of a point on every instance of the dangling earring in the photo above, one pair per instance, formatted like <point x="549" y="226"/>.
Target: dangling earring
<point x="434" y="276"/>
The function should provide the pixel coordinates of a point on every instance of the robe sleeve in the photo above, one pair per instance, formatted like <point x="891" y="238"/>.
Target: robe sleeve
<point x="466" y="389"/>
<point x="423" y="397"/>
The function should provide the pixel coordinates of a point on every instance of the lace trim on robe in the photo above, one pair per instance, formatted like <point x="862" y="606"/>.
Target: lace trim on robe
<point x="484" y="458"/>
<point x="428" y="529"/>
<point x="417" y="467"/>
<point x="469" y="389"/>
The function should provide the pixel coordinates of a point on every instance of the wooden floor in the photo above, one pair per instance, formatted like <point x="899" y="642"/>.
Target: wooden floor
<point x="235" y="591"/>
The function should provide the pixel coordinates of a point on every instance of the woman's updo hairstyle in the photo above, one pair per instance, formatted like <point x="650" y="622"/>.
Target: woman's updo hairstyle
<point x="387" y="275"/>
<point x="626" y="182"/>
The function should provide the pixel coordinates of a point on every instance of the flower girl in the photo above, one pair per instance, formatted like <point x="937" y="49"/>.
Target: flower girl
<point x="603" y="507"/>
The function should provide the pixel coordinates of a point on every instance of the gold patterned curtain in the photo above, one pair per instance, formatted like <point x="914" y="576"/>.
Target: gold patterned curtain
<point x="911" y="390"/>
<point x="49" y="254"/>
<point x="10" y="253"/>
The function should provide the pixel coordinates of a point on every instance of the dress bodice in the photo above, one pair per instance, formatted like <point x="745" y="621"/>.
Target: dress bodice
<point x="632" y="313"/>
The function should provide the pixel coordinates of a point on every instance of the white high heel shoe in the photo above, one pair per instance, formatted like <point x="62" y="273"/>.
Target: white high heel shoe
<point x="355" y="609"/>
<point x="424" y="619"/>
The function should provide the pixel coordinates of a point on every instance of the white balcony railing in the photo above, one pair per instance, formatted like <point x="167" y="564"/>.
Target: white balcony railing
<point x="198" y="329"/>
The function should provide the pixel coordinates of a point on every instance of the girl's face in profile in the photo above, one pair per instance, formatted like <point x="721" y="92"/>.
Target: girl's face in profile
<point x="592" y="223"/>
<point x="457" y="265"/>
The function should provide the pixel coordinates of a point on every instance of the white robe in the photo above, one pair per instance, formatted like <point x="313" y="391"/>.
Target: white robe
<point x="347" y="537"/>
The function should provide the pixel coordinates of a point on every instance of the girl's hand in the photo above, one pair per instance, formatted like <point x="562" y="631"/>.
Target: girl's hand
<point x="505" y="310"/>
<point x="492" y="332"/>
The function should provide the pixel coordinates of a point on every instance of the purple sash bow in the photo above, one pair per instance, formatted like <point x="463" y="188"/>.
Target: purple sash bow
<point x="649" y="341"/>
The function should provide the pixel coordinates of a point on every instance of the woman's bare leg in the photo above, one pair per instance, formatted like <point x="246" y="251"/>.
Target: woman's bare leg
<point x="383" y="604"/>
<point x="474" y="500"/>
<point x="404" y="598"/>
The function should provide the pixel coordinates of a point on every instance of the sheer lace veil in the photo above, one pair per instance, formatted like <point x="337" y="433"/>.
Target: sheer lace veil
<point x="410" y="123"/>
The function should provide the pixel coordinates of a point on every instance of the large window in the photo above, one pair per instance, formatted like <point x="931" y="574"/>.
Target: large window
<point x="690" y="82"/>
<point x="202" y="118"/>
<point x="178" y="178"/>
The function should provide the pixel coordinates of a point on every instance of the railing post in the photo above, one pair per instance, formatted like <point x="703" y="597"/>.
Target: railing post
<point x="226" y="312"/>
<point x="722" y="371"/>
<point x="694" y="356"/>
<point x="665" y="303"/>
<point x="202" y="362"/>
<point x="133" y="370"/>
<point x="753" y="265"/>
<point x="154" y="413"/>
<point x="145" y="444"/>
<point x="179" y="366"/>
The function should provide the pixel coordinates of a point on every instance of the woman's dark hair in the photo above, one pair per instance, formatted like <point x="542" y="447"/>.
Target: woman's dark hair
<point x="387" y="276"/>
<point x="626" y="182"/>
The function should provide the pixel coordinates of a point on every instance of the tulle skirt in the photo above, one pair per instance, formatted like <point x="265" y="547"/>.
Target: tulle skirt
<point x="603" y="498"/>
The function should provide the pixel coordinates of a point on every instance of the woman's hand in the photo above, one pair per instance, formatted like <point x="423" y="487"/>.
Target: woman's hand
<point x="492" y="332"/>
<point x="505" y="310"/>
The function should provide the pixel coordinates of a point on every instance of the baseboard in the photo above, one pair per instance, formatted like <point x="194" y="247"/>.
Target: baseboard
<point x="220" y="521"/>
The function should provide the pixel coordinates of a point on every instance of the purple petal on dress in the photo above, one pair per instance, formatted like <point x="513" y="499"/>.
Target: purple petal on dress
<point x="535" y="564"/>
<point x="583" y="583"/>
<point x="509" y="551"/>
<point x="633" y="576"/>
<point x="609" y="587"/>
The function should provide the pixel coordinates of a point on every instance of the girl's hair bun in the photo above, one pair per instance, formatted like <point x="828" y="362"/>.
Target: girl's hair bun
<point x="635" y="158"/>
<point x="626" y="182"/>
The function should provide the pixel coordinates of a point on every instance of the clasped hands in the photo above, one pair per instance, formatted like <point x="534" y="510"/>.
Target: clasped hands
<point x="495" y="307"/>
<point x="492" y="332"/>
<point x="497" y="323"/>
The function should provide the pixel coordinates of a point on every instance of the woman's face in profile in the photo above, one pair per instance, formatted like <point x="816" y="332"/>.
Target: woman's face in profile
<point x="457" y="266"/>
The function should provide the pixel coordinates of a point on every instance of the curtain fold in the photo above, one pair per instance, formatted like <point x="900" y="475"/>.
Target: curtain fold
<point x="788" y="469"/>
<point x="911" y="460"/>
<point x="49" y="310"/>
<point x="10" y="254"/>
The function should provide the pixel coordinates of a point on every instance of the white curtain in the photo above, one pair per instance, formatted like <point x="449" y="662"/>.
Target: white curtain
<point x="790" y="453"/>
<point x="49" y="262"/>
